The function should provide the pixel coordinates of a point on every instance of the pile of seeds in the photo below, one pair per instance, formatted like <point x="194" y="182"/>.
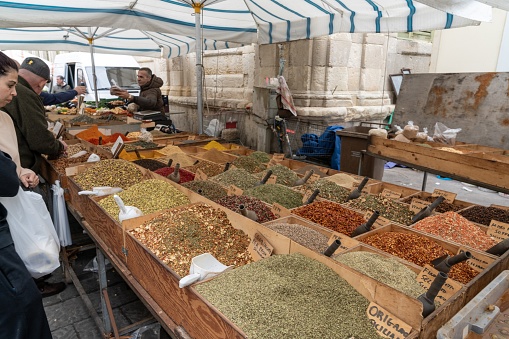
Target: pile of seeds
<point x="216" y="156"/>
<point x="328" y="190"/>
<point x="139" y="145"/>
<point x="178" y="235"/>
<point x="285" y="176"/>
<point x="209" y="168"/>
<point x="109" y="172"/>
<point x="419" y="250"/>
<point x="384" y="269"/>
<point x="83" y="118"/>
<point x="443" y="207"/>
<point x="274" y="193"/>
<point x="183" y="159"/>
<point x="149" y="196"/>
<point x="73" y="149"/>
<point x="249" y="164"/>
<point x="452" y="226"/>
<point x="484" y="215"/>
<point x="387" y="208"/>
<point x="210" y="189"/>
<point x="149" y="164"/>
<point x="238" y="177"/>
<point x="261" y="156"/>
<point x="185" y="176"/>
<point x="332" y="216"/>
<point x="261" y="209"/>
<point x="170" y="149"/>
<point x="301" y="234"/>
<point x="61" y="164"/>
<point x="293" y="297"/>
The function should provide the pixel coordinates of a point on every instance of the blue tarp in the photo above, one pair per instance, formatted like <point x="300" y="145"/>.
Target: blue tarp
<point x="334" y="161"/>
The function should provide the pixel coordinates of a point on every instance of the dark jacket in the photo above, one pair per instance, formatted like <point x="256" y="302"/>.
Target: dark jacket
<point x="58" y="98"/>
<point x="9" y="186"/>
<point x="29" y="117"/>
<point x="150" y="97"/>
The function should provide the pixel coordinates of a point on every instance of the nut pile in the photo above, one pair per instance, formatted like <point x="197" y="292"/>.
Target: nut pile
<point x="177" y="235"/>
<point x="185" y="176"/>
<point x="285" y="176"/>
<point x="289" y="296"/>
<point x="387" y="208"/>
<point x="328" y="190"/>
<point x="73" y="149"/>
<point x="483" y="215"/>
<point x="61" y="164"/>
<point x="443" y="207"/>
<point x="332" y="216"/>
<point x="274" y="193"/>
<point x="260" y="156"/>
<point x="419" y="250"/>
<point x="149" y="164"/>
<point x="238" y="177"/>
<point x="261" y="209"/>
<point x="452" y="226"/>
<point x="149" y="196"/>
<point x="109" y="172"/>
<point x="301" y="234"/>
<point x="209" y="168"/>
<point x="210" y="189"/>
<point x="249" y="164"/>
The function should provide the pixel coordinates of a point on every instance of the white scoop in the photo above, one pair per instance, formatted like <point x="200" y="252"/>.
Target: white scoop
<point x="101" y="190"/>
<point x="203" y="266"/>
<point x="126" y="212"/>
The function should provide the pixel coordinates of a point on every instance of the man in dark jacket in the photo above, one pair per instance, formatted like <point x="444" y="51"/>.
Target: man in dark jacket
<point x="150" y="97"/>
<point x="29" y="116"/>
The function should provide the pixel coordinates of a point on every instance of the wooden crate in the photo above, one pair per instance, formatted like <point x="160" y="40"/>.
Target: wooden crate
<point x="423" y="195"/>
<point x="378" y="188"/>
<point x="144" y="154"/>
<point x="192" y="150"/>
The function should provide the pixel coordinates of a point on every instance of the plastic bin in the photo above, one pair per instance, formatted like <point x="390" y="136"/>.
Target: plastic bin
<point x="353" y="141"/>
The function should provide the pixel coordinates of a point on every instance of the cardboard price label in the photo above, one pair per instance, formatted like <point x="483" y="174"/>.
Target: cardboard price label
<point x="478" y="262"/>
<point x="426" y="277"/>
<point x="272" y="179"/>
<point x="260" y="247"/>
<point x="58" y="129"/>
<point x="117" y="147"/>
<point x="346" y="242"/>
<point x="498" y="230"/>
<point x="192" y="137"/>
<point x="234" y="190"/>
<point x="387" y="193"/>
<point x="279" y="211"/>
<point x="417" y="205"/>
<point x="199" y="175"/>
<point x="386" y="324"/>
<point x="380" y="221"/>
<point x="278" y="157"/>
<point x="313" y="177"/>
<point x="449" y="197"/>
<point x="306" y="196"/>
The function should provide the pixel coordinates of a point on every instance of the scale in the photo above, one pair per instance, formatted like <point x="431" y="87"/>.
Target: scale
<point x="148" y="115"/>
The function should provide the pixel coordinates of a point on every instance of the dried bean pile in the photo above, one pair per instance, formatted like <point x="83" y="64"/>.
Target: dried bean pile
<point x="332" y="216"/>
<point x="249" y="164"/>
<point x="443" y="207"/>
<point x="211" y="190"/>
<point x="289" y="296"/>
<point x="275" y="193"/>
<point x="260" y="156"/>
<point x="149" y="164"/>
<point x="209" y="168"/>
<point x="261" y="209"/>
<point x="149" y="196"/>
<point x="387" y="208"/>
<point x="384" y="269"/>
<point x="303" y="235"/>
<point x="139" y="145"/>
<point x="109" y="172"/>
<point x="183" y="159"/>
<point x="483" y="215"/>
<point x="178" y="235"/>
<point x="328" y="190"/>
<point x="61" y="164"/>
<point x="185" y="176"/>
<point x="419" y="250"/>
<point x="285" y="176"/>
<point x="452" y="226"/>
<point x="238" y="177"/>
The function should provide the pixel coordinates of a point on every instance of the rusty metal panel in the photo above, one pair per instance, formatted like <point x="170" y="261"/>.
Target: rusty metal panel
<point x="476" y="102"/>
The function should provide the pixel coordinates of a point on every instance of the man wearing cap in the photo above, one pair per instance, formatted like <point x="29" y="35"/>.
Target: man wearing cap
<point x="28" y="114"/>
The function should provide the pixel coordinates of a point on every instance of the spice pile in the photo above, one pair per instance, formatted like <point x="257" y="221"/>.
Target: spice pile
<point x="82" y="118"/>
<point x="109" y="172"/>
<point x="285" y="176"/>
<point x="328" y="190"/>
<point x="216" y="145"/>
<point x="238" y="177"/>
<point x="332" y="216"/>
<point x="210" y="189"/>
<point x="183" y="159"/>
<point x="387" y="208"/>
<point x="274" y="193"/>
<point x="149" y="196"/>
<point x="61" y="164"/>
<point x="452" y="226"/>
<point x="344" y="180"/>
<point x="178" y="235"/>
<point x="484" y="215"/>
<point x="185" y="176"/>
<point x="260" y="156"/>
<point x="170" y="149"/>
<point x="384" y="269"/>
<point x="216" y="156"/>
<point x="307" y="168"/>
<point x="261" y="209"/>
<point x="289" y="296"/>
<point x="149" y="164"/>
<point x="249" y="164"/>
<point x="209" y="168"/>
<point x="443" y="207"/>
<point x="301" y="234"/>
<point x="139" y="145"/>
<point x="419" y="250"/>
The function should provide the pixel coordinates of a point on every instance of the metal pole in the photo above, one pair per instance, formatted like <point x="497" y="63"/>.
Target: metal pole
<point x="94" y="77"/>
<point x="199" y="70"/>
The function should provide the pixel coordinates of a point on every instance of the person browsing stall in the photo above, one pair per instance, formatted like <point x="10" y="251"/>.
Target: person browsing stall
<point x="150" y="97"/>
<point x="61" y="85"/>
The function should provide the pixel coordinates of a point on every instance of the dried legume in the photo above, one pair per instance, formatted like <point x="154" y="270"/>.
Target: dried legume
<point x="285" y="176"/>
<point x="387" y="208"/>
<point x="210" y="189"/>
<point x="109" y="172"/>
<point x="261" y="209"/>
<point x="61" y="164"/>
<point x="301" y="234"/>
<point x="73" y="149"/>
<point x="238" y="177"/>
<point x="249" y="164"/>
<point x="289" y="296"/>
<point x="332" y="216"/>
<point x="483" y="215"/>
<point x="275" y="193"/>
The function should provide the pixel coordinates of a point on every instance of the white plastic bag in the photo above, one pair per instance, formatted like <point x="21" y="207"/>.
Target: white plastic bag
<point x="444" y="134"/>
<point x="145" y="135"/>
<point x="33" y="233"/>
<point x="410" y="131"/>
<point x="60" y="215"/>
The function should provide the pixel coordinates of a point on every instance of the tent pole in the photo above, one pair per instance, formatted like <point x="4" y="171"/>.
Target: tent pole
<point x="199" y="98"/>
<point x="94" y="77"/>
